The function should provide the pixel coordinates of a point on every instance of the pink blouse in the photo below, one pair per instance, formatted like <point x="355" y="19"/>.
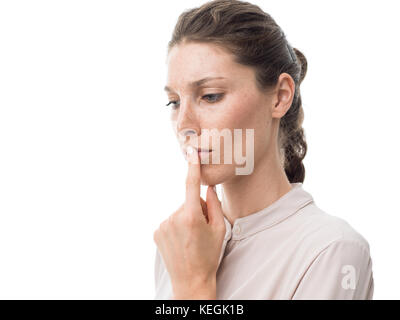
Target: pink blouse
<point x="288" y="250"/>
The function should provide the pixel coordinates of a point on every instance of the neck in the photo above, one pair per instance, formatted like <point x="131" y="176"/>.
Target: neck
<point x="247" y="194"/>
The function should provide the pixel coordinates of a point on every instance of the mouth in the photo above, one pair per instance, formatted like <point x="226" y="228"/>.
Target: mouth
<point x="201" y="152"/>
<point x="204" y="150"/>
<point x="204" y="153"/>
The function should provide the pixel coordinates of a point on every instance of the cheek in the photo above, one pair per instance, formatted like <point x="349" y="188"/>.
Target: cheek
<point x="244" y="112"/>
<point x="250" y="114"/>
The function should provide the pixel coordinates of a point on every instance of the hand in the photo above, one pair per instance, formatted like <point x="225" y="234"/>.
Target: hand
<point x="190" y="240"/>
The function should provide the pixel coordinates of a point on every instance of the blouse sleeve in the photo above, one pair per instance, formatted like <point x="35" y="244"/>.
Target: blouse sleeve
<point x="342" y="271"/>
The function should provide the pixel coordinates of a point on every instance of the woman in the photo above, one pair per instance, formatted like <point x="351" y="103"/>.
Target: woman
<point x="230" y="67"/>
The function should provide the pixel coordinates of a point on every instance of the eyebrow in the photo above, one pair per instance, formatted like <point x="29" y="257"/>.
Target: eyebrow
<point x="196" y="83"/>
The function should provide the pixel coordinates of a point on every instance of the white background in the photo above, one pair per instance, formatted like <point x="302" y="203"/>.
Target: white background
<point x="89" y="165"/>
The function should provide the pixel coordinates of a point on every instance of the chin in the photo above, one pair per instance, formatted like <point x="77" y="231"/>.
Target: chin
<point x="213" y="174"/>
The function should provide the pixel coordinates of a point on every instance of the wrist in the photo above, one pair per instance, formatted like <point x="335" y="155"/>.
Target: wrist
<point x="197" y="290"/>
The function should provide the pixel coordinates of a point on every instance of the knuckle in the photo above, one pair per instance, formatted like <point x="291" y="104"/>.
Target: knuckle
<point x="172" y="219"/>
<point x="219" y="227"/>
<point x="189" y="221"/>
<point x="222" y="229"/>
<point x="155" y="236"/>
<point x="164" y="226"/>
<point x="176" y="215"/>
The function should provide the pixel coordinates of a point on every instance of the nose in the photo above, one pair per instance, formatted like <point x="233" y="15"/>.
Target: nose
<point x="188" y="136"/>
<point x="187" y="132"/>
<point x="187" y="124"/>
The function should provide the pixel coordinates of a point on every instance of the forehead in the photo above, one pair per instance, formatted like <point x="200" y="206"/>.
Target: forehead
<point x="189" y="62"/>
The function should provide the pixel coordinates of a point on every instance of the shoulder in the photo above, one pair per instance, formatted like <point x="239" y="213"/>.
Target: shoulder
<point x="338" y="264"/>
<point x="319" y="231"/>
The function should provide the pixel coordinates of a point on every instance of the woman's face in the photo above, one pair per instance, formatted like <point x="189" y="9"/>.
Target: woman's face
<point x="230" y="102"/>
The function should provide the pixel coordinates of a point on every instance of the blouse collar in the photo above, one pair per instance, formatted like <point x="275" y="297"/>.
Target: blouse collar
<point x="276" y="212"/>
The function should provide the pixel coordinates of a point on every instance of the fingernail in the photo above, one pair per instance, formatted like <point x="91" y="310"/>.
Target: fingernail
<point x="189" y="150"/>
<point x="215" y="189"/>
<point x="191" y="154"/>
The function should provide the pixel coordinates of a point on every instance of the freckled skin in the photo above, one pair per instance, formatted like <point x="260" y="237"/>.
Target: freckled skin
<point x="242" y="106"/>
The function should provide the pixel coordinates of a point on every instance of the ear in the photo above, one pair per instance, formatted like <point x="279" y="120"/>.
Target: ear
<point x="283" y="95"/>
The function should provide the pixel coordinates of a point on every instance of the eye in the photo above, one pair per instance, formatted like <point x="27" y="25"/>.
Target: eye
<point x="211" y="98"/>
<point x="214" y="97"/>
<point x="174" y="106"/>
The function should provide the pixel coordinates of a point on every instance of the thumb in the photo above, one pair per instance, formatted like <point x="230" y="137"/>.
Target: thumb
<point x="214" y="208"/>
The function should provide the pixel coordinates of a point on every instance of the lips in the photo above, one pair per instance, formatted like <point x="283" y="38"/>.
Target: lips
<point x="204" y="153"/>
<point x="203" y="150"/>
<point x="197" y="149"/>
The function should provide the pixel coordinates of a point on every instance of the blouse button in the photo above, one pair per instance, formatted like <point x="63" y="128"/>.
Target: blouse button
<point x="236" y="229"/>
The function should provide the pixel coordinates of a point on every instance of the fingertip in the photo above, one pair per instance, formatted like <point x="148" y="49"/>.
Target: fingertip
<point x="189" y="150"/>
<point x="212" y="189"/>
<point x="192" y="155"/>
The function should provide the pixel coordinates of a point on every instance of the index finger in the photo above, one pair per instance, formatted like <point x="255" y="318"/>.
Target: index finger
<point x="193" y="178"/>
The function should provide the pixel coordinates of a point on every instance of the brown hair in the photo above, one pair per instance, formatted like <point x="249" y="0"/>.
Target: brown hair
<point x="255" y="40"/>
